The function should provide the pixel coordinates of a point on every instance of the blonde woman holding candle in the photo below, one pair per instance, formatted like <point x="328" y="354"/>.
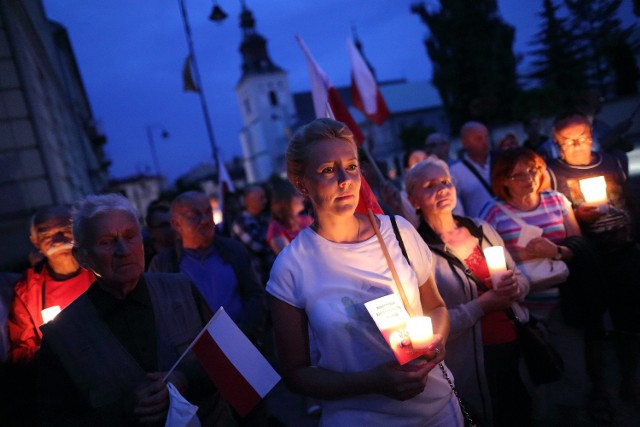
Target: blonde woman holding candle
<point x="482" y="350"/>
<point x="320" y="283"/>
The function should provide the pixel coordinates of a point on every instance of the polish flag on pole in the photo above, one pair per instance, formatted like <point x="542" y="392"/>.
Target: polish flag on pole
<point x="326" y="97"/>
<point x="327" y="103"/>
<point x="365" y="95"/>
<point x="236" y="367"/>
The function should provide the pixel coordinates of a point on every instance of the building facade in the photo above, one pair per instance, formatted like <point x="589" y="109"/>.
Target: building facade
<point x="51" y="151"/>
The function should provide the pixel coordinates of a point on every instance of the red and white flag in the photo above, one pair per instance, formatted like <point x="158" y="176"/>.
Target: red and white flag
<point x="237" y="368"/>
<point x="365" y="95"/>
<point x="328" y="103"/>
<point x="326" y="96"/>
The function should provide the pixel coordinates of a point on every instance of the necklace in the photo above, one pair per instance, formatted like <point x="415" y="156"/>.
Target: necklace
<point x="314" y="226"/>
<point x="358" y="235"/>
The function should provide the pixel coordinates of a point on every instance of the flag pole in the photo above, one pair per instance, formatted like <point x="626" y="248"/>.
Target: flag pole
<point x="394" y="273"/>
<point x="364" y="148"/>
<point x="198" y="83"/>
<point x="175" y="365"/>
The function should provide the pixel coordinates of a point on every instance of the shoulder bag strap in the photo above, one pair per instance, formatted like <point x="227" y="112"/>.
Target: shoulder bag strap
<point x="396" y="231"/>
<point x="465" y="412"/>
<point x="504" y="210"/>
<point x="483" y="181"/>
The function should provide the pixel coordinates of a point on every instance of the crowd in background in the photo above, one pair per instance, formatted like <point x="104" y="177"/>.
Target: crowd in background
<point x="487" y="196"/>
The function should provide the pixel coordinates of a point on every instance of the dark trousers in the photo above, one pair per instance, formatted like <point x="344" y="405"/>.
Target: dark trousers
<point x="510" y="401"/>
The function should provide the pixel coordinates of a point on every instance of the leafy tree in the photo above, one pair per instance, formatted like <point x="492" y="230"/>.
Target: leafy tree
<point x="474" y="67"/>
<point x="558" y="67"/>
<point x="606" y="45"/>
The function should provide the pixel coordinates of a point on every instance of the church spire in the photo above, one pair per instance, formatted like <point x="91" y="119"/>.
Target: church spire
<point x="255" y="58"/>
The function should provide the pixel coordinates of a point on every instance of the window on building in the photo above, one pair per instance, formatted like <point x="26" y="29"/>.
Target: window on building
<point x="273" y="98"/>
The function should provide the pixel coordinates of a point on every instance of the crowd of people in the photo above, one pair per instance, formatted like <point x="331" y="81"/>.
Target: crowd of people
<point x="108" y="306"/>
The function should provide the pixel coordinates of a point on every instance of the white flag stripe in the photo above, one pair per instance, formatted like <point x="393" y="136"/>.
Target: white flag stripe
<point x="363" y="79"/>
<point x="242" y="353"/>
<point x="320" y="82"/>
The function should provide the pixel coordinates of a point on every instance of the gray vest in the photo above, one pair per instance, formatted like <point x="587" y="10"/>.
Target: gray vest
<point x="104" y="372"/>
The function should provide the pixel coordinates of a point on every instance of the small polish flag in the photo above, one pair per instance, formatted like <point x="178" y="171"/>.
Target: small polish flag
<point x="237" y="368"/>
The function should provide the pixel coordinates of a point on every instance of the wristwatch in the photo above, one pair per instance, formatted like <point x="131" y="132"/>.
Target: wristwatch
<point x="558" y="256"/>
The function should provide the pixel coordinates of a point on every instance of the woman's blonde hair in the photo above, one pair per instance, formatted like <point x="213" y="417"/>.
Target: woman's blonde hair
<point x="297" y="154"/>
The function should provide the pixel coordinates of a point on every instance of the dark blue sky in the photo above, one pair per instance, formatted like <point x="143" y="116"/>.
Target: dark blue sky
<point x="131" y="52"/>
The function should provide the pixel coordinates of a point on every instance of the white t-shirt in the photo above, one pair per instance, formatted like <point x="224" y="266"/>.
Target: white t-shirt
<point x="331" y="282"/>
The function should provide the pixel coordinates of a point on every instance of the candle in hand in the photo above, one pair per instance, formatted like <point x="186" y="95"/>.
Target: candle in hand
<point x="48" y="314"/>
<point x="420" y="332"/>
<point x="496" y="262"/>
<point x="594" y="191"/>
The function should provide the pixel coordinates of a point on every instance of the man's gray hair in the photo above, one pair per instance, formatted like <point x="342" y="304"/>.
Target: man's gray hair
<point x="90" y="206"/>
<point x="414" y="176"/>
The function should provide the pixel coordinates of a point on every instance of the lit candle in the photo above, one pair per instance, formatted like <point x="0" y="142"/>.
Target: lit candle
<point x="594" y="191"/>
<point x="48" y="314"/>
<point x="496" y="262"/>
<point x="420" y="332"/>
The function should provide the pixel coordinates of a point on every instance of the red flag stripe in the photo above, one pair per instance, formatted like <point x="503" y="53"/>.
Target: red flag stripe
<point x="232" y="385"/>
<point x="342" y="114"/>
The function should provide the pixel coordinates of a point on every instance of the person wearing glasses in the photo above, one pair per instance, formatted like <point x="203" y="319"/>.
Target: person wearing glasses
<point x="610" y="227"/>
<point x="519" y="180"/>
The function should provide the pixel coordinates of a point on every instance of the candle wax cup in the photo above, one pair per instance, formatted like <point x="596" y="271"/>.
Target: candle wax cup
<point x="48" y="314"/>
<point x="420" y="331"/>
<point x="494" y="256"/>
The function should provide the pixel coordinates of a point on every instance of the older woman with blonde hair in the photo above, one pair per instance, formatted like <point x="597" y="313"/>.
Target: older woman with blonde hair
<point x="482" y="349"/>
<point x="321" y="281"/>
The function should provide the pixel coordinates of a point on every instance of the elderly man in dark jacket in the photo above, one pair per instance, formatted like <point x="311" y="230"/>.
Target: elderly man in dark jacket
<point x="104" y="358"/>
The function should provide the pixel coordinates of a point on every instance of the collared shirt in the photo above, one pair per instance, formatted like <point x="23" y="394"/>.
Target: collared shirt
<point x="472" y="195"/>
<point x="131" y="320"/>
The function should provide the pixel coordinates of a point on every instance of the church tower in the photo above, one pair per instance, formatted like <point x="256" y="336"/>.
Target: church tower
<point x="266" y="104"/>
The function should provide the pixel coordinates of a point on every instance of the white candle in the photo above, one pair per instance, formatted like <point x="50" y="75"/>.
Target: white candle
<point x="48" y="314"/>
<point x="496" y="262"/>
<point x="420" y="332"/>
<point x="594" y="191"/>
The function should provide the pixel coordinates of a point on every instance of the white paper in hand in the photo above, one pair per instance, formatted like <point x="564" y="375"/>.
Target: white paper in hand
<point x="181" y="413"/>
<point x="527" y="234"/>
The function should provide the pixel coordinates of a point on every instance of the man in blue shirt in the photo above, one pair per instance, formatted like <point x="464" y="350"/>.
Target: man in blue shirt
<point x="219" y="267"/>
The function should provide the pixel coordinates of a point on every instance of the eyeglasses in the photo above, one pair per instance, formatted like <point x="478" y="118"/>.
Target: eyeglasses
<point x="532" y="173"/>
<point x="575" y="141"/>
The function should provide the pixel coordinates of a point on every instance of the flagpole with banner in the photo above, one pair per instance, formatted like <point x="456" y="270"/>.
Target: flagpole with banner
<point x="197" y="82"/>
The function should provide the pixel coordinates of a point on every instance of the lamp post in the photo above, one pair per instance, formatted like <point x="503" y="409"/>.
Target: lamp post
<point x="154" y="155"/>
<point x="217" y="15"/>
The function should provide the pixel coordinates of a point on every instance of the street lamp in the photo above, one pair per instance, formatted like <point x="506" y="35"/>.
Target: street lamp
<point x="164" y="134"/>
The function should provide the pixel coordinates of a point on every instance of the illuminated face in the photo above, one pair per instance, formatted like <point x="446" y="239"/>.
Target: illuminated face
<point x="332" y="177"/>
<point x="112" y="248"/>
<point x="574" y="142"/>
<point x="53" y="238"/>
<point x="525" y="179"/>
<point x="193" y="221"/>
<point x="434" y="192"/>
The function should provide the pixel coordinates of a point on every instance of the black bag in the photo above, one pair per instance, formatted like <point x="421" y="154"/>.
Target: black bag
<point x="543" y="361"/>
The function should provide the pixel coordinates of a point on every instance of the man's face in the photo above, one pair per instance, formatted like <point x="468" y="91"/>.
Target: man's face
<point x="574" y="141"/>
<point x="112" y="248"/>
<point x="160" y="230"/>
<point x="476" y="141"/>
<point x="53" y="238"/>
<point x="192" y="219"/>
<point x="255" y="201"/>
